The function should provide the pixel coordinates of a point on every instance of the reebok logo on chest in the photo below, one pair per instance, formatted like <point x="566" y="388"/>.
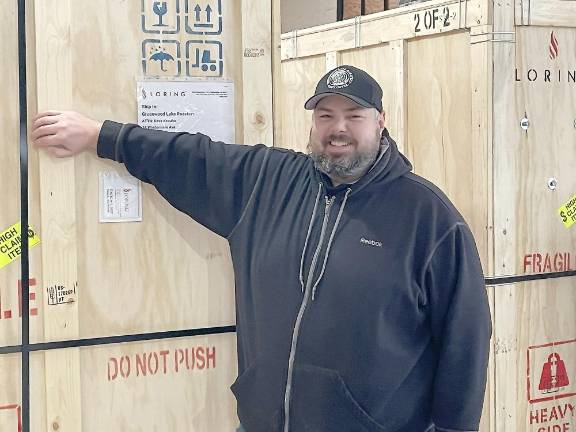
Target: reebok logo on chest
<point x="371" y="242"/>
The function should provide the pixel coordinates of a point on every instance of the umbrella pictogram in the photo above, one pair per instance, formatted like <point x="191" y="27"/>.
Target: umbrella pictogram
<point x="161" y="56"/>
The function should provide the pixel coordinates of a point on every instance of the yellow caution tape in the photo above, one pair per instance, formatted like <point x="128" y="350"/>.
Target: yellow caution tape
<point x="568" y="212"/>
<point x="10" y="243"/>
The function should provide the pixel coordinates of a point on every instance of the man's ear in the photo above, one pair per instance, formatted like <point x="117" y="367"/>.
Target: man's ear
<point x="381" y="119"/>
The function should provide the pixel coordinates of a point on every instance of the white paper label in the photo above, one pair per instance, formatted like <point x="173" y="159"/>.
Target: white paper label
<point x="188" y="106"/>
<point x="120" y="198"/>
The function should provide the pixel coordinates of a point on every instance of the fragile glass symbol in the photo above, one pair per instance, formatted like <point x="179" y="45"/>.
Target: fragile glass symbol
<point x="161" y="56"/>
<point x="207" y="62"/>
<point x="160" y="9"/>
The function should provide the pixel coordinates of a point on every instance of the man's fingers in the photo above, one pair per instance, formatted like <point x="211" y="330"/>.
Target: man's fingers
<point x="43" y="131"/>
<point x="47" y="141"/>
<point x="48" y="113"/>
<point x="45" y="119"/>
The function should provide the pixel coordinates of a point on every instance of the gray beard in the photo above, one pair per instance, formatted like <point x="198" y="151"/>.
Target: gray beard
<point x="344" y="169"/>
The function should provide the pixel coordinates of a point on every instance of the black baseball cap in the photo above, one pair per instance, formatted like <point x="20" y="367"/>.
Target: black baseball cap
<point x="351" y="82"/>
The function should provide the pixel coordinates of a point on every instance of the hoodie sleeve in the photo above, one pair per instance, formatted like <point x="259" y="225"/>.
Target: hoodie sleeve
<point x="461" y="329"/>
<point x="210" y="181"/>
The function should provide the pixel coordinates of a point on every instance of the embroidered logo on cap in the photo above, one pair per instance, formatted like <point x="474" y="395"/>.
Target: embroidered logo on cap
<point x="340" y="78"/>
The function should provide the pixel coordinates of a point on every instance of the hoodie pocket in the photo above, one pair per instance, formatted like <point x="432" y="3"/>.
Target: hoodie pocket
<point x="259" y="392"/>
<point x="321" y="402"/>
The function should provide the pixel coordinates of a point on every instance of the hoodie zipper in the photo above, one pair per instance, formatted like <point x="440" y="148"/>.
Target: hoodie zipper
<point x="303" y="305"/>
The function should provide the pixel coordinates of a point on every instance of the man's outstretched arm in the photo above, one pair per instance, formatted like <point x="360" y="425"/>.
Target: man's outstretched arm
<point x="210" y="181"/>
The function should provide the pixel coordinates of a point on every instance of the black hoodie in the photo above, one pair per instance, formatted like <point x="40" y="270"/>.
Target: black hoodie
<point x="359" y="308"/>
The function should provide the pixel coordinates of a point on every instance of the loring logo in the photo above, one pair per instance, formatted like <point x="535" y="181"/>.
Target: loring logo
<point x="553" y="48"/>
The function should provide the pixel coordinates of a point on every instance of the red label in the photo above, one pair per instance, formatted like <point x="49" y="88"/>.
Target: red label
<point x="8" y="310"/>
<point x="548" y="262"/>
<point x="161" y="362"/>
<point x="551" y="371"/>
<point x="11" y="418"/>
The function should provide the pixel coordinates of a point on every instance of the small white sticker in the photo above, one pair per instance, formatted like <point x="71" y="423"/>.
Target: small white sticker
<point x="120" y="198"/>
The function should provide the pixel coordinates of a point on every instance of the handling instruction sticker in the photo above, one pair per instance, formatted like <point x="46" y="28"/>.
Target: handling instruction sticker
<point x="120" y="198"/>
<point x="568" y="212"/>
<point x="10" y="241"/>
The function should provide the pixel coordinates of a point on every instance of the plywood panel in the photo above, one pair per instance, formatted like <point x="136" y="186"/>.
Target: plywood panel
<point x="488" y="419"/>
<point x="422" y="19"/>
<point x="257" y="70"/>
<point x="11" y="394"/>
<point x="438" y="130"/>
<point x="180" y="385"/>
<point x="558" y="13"/>
<point x="539" y="322"/>
<point x="481" y="81"/>
<point x="529" y="234"/>
<point x="10" y="312"/>
<point x="299" y="79"/>
<point x="10" y="177"/>
<point x="58" y="203"/>
<point x="391" y="78"/>
<point x="166" y="272"/>
<point x="277" y="71"/>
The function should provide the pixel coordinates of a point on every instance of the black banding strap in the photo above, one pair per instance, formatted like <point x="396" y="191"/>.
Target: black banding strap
<point x="25" y="259"/>
<point x="109" y="340"/>
<point x="503" y="280"/>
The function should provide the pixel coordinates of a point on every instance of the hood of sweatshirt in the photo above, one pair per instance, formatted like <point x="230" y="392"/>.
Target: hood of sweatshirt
<point x="388" y="166"/>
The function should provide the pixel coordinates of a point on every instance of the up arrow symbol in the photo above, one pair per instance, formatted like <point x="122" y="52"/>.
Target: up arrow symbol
<point x="197" y="9"/>
<point x="208" y="13"/>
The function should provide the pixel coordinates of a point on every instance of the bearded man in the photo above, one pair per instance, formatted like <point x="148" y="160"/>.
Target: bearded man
<point x="360" y="296"/>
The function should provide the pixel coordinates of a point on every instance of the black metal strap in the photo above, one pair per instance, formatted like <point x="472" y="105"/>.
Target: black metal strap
<point x="503" y="280"/>
<point x="78" y="343"/>
<point x="24" y="259"/>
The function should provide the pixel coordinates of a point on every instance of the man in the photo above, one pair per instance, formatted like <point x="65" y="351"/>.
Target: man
<point x="360" y="296"/>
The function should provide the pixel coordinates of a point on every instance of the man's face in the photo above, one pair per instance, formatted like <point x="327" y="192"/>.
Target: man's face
<point x="344" y="138"/>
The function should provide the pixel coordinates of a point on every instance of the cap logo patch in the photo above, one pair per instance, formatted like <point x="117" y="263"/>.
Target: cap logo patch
<point x="340" y="78"/>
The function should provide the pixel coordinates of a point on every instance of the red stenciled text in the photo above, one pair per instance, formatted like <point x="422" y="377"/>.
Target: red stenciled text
<point x="548" y="262"/>
<point x="7" y="310"/>
<point x="557" y="415"/>
<point x="161" y="362"/>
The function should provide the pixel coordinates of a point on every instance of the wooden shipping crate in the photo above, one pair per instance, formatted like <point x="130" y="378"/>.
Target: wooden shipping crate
<point x="481" y="97"/>
<point x="92" y="281"/>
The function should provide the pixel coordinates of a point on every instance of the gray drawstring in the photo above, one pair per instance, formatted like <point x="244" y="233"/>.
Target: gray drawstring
<point x="330" y="242"/>
<point x="308" y="235"/>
